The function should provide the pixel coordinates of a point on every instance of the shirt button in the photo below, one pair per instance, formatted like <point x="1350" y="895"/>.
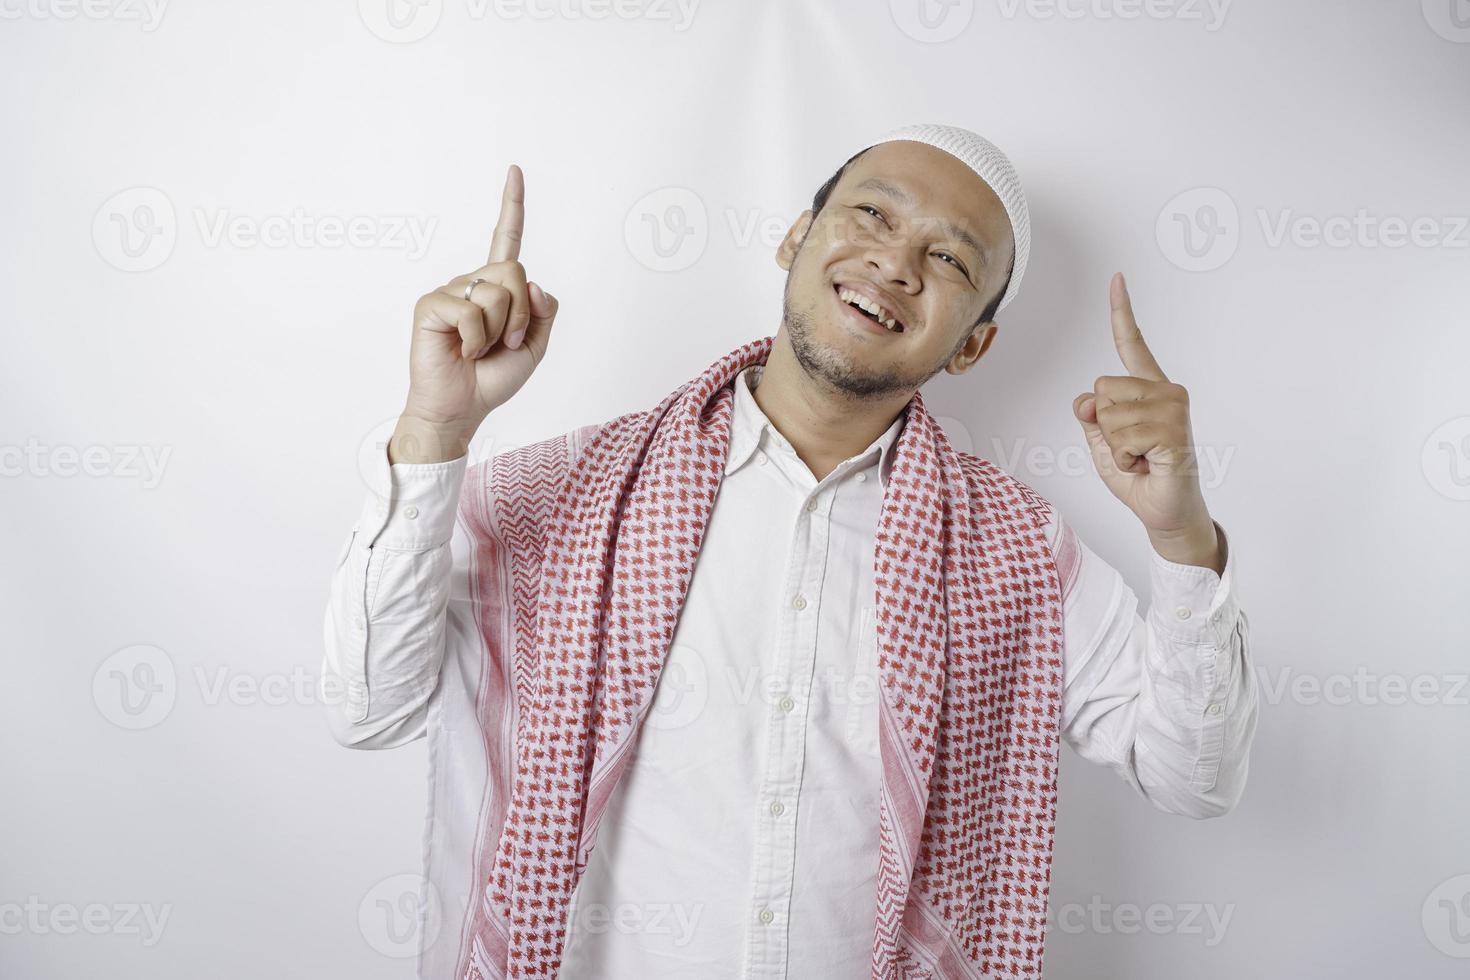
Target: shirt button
<point x="811" y="505"/>
<point x="760" y="458"/>
<point x="1214" y="709"/>
<point x="410" y="512"/>
<point x="1182" y="612"/>
<point x="767" y="915"/>
<point x="786" y="704"/>
<point x="799" y="602"/>
<point x="778" y="808"/>
<point x="861" y="477"/>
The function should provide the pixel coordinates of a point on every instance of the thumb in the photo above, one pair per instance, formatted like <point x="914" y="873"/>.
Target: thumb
<point x="1084" y="408"/>
<point x="543" y="314"/>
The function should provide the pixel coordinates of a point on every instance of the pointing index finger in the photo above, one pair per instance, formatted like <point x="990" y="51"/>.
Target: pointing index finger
<point x="1137" y="358"/>
<point x="506" y="243"/>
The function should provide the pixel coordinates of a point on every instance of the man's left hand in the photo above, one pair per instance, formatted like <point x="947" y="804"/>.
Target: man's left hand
<point x="1137" y="428"/>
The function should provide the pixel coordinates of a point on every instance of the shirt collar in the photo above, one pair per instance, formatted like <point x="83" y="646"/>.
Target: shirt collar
<point x="749" y="424"/>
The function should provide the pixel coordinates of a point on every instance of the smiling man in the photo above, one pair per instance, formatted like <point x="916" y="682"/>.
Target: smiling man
<point x="769" y="680"/>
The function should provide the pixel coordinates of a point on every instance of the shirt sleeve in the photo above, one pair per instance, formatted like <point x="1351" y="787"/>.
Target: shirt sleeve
<point x="1168" y="700"/>
<point x="385" y="627"/>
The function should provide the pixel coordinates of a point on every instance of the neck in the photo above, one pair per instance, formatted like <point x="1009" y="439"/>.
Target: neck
<point x="825" y="425"/>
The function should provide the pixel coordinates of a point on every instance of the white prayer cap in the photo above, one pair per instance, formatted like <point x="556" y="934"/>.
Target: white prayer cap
<point x="991" y="166"/>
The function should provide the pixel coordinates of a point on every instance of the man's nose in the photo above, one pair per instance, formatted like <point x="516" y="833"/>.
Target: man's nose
<point x="893" y="263"/>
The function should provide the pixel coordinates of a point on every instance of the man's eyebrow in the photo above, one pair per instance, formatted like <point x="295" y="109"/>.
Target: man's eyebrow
<point x="905" y="198"/>
<point x="891" y="189"/>
<point x="955" y="231"/>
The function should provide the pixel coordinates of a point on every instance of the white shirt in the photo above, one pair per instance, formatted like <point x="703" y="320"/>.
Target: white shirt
<point x="742" y="840"/>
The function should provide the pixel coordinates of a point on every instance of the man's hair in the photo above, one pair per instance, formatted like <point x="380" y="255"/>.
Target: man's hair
<point x="820" y="200"/>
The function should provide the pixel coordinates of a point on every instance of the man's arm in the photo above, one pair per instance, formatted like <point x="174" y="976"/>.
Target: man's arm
<point x="386" y="618"/>
<point x="1167" y="700"/>
<point x="476" y="341"/>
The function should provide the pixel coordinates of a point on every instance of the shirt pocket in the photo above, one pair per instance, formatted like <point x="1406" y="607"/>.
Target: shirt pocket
<point x="861" y="730"/>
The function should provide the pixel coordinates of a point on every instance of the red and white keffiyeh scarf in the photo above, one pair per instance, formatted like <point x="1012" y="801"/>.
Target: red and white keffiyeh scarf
<point x="601" y="545"/>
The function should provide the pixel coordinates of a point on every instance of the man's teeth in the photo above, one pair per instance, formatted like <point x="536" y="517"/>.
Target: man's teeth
<point x="862" y="302"/>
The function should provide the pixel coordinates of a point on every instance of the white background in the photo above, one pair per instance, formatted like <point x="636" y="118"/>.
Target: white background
<point x="1331" y="383"/>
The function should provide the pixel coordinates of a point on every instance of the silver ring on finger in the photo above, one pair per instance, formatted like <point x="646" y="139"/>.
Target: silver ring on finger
<point x="471" y="287"/>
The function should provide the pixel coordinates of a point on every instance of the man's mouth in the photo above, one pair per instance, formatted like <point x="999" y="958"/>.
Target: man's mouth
<point x="868" y="307"/>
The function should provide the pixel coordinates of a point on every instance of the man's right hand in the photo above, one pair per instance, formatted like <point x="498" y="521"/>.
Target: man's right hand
<point x="469" y="356"/>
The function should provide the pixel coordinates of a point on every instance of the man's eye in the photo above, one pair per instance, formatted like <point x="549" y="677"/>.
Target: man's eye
<point x="951" y="260"/>
<point x="869" y="209"/>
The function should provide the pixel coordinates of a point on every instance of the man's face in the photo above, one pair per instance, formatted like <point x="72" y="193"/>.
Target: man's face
<point x="917" y="231"/>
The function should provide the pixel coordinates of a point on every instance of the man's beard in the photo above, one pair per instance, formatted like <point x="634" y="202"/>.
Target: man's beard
<point x="833" y="367"/>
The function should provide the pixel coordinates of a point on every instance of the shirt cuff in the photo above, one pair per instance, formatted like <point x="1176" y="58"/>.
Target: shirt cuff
<point x="411" y="506"/>
<point x="1192" y="603"/>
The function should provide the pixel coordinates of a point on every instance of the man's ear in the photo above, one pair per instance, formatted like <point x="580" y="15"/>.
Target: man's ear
<point x="795" y="235"/>
<point x="974" y="346"/>
<point x="991" y="329"/>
